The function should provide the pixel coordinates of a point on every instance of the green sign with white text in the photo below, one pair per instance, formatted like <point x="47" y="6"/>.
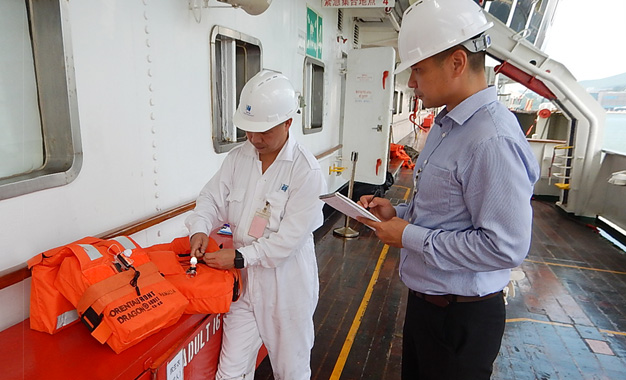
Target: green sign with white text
<point x="313" y="34"/>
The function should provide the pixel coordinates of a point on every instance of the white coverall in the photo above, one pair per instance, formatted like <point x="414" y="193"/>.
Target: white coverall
<point x="281" y="285"/>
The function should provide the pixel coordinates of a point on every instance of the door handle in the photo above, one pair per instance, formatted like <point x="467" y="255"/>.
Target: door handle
<point x="385" y="75"/>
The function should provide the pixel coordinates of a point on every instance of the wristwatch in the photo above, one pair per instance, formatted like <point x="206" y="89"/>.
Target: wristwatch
<point x="238" y="260"/>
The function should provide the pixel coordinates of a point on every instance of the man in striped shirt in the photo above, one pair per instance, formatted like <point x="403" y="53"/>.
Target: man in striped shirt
<point x="469" y="221"/>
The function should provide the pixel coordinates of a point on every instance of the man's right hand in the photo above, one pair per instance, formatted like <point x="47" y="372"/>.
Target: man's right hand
<point x="199" y="242"/>
<point x="380" y="207"/>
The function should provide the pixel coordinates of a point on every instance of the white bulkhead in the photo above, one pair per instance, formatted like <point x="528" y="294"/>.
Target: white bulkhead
<point x="140" y="97"/>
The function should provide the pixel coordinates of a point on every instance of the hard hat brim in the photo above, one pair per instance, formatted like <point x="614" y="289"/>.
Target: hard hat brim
<point x="242" y="123"/>
<point x="403" y="66"/>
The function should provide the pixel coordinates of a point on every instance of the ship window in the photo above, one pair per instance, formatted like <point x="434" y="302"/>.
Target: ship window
<point x="36" y="83"/>
<point x="522" y="15"/>
<point x="538" y="23"/>
<point x="313" y="109"/>
<point x="398" y="99"/>
<point x="500" y="9"/>
<point x="395" y="103"/>
<point x="236" y="58"/>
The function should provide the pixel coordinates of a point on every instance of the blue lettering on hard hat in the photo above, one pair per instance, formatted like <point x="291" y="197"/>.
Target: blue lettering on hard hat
<point x="248" y="109"/>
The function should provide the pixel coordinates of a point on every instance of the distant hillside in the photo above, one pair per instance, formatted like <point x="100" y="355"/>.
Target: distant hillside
<point x="614" y="83"/>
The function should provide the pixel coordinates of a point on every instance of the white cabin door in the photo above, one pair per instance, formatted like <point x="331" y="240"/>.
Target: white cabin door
<point x="367" y="114"/>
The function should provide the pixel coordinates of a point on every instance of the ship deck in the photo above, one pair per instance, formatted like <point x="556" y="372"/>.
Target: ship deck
<point x="566" y="320"/>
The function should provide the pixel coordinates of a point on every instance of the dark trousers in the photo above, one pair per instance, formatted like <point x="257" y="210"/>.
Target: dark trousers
<point x="456" y="342"/>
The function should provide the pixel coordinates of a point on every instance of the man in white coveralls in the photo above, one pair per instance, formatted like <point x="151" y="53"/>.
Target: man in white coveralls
<point x="268" y="190"/>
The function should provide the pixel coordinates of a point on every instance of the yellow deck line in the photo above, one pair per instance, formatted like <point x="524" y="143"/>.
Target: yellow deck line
<point x="575" y="267"/>
<point x="356" y="323"/>
<point x="403" y="187"/>
<point x="407" y="192"/>
<point x="612" y="332"/>
<point x="560" y="324"/>
<point x="538" y="321"/>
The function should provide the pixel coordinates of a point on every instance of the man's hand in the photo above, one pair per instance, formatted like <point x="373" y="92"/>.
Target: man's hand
<point x="390" y="231"/>
<point x="222" y="259"/>
<point x="380" y="207"/>
<point x="199" y="241"/>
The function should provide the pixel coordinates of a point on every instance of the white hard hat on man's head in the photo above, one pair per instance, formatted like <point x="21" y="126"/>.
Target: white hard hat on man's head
<point x="432" y="26"/>
<point x="267" y="100"/>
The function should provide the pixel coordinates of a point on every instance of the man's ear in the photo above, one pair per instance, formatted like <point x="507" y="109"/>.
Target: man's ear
<point x="458" y="61"/>
<point x="288" y="122"/>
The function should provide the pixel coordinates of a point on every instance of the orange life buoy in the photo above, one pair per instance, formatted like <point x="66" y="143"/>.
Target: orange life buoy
<point x="544" y="113"/>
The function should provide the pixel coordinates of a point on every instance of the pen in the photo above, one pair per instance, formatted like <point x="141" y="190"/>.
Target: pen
<point x="375" y="195"/>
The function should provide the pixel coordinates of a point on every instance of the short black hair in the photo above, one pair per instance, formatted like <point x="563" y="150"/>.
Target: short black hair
<point x="476" y="60"/>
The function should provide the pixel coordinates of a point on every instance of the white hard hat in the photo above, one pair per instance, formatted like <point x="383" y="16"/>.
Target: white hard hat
<point x="267" y="100"/>
<point x="432" y="26"/>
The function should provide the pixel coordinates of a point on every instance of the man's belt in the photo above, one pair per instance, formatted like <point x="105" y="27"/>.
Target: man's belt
<point x="444" y="300"/>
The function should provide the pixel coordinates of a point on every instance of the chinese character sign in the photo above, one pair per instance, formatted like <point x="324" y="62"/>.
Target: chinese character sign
<point x="358" y="3"/>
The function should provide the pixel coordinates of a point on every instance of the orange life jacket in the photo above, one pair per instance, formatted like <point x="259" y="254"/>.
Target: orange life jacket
<point x="121" y="299"/>
<point x="50" y="311"/>
<point x="210" y="290"/>
<point x="397" y="150"/>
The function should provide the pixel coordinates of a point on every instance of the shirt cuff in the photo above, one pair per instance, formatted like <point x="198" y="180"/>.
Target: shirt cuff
<point x="401" y="210"/>
<point x="414" y="238"/>
<point x="249" y="255"/>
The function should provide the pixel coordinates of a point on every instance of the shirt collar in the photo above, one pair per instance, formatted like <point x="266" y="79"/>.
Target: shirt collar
<point x="468" y="107"/>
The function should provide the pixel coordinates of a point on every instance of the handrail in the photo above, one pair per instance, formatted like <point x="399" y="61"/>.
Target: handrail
<point x="146" y="223"/>
<point x="328" y="152"/>
<point x="14" y="275"/>
<point x="21" y="272"/>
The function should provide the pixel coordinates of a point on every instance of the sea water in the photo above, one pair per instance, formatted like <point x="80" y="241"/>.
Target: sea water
<point x="615" y="132"/>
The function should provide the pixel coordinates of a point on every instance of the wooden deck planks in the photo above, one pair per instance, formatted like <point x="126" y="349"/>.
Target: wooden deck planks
<point x="556" y="307"/>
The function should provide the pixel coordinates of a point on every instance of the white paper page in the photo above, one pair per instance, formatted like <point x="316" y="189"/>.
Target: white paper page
<point x="347" y="206"/>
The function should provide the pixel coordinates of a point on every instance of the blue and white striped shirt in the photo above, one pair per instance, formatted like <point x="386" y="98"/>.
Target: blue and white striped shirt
<point x="471" y="216"/>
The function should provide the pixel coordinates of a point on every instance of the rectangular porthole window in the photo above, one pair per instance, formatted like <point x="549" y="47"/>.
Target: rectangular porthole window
<point x="21" y="137"/>
<point x="236" y="58"/>
<point x="313" y="109"/>
<point x="394" y="111"/>
<point x="39" y="133"/>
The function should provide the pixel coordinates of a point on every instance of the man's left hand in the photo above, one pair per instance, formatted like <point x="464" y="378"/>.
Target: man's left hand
<point x="222" y="259"/>
<point x="389" y="232"/>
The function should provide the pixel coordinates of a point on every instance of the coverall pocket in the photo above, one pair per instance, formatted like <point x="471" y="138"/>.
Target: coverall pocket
<point x="235" y="205"/>
<point x="277" y="201"/>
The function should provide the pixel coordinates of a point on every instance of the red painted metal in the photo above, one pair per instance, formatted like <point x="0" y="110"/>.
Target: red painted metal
<point x="73" y="353"/>
<point x="526" y="79"/>
<point x="193" y="342"/>
<point x="198" y="354"/>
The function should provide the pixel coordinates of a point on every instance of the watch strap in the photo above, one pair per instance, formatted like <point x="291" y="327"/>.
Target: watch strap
<point x="239" y="261"/>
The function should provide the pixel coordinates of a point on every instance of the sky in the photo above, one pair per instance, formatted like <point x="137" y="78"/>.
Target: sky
<point x="589" y="37"/>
